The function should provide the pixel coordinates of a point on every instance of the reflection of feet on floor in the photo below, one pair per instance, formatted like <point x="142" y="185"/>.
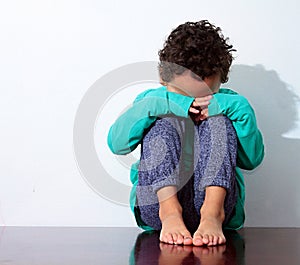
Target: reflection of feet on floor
<point x="210" y="255"/>
<point x="174" y="231"/>
<point x="209" y="233"/>
<point x="173" y="254"/>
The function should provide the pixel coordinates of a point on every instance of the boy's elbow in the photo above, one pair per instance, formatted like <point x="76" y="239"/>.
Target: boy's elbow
<point x="110" y="144"/>
<point x="114" y="149"/>
<point x="259" y="158"/>
<point x="117" y="149"/>
<point x="110" y="140"/>
<point x="253" y="163"/>
<point x="120" y="145"/>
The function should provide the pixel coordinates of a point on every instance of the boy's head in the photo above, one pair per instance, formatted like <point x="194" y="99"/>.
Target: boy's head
<point x="196" y="48"/>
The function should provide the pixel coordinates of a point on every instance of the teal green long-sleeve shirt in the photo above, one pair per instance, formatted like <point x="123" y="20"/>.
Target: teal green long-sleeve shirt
<point x="128" y="130"/>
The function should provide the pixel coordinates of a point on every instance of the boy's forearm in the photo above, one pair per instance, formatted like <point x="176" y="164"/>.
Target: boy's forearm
<point x="240" y="112"/>
<point x="128" y="130"/>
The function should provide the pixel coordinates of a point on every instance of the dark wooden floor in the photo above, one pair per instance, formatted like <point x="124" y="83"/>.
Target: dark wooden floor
<point x="91" y="246"/>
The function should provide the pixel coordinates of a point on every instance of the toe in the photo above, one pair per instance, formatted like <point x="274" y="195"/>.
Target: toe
<point x="169" y="238"/>
<point x="205" y="239"/>
<point x="222" y="240"/>
<point x="175" y="238"/>
<point x="179" y="239"/>
<point x="211" y="240"/>
<point x="216" y="240"/>
<point x="198" y="240"/>
<point x="165" y="238"/>
<point x="188" y="240"/>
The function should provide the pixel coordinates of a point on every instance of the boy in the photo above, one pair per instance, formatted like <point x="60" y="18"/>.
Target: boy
<point x="194" y="138"/>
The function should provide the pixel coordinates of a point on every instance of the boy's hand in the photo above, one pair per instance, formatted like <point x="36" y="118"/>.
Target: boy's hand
<point x="199" y="108"/>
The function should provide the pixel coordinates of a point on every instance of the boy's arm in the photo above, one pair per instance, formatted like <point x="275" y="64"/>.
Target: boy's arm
<point x="128" y="130"/>
<point x="240" y="112"/>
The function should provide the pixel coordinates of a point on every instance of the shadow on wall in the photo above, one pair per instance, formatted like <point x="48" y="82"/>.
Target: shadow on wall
<point x="273" y="197"/>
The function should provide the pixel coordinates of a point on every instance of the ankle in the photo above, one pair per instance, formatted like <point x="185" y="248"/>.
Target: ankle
<point x="165" y="211"/>
<point x="168" y="202"/>
<point x="212" y="212"/>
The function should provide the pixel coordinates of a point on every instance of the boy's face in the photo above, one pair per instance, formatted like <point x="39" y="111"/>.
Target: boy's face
<point x="190" y="86"/>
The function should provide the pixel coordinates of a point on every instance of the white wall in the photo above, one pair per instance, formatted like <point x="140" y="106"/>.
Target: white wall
<point x="52" y="51"/>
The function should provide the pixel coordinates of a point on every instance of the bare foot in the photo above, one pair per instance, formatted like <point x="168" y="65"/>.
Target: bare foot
<point x="209" y="232"/>
<point x="174" y="231"/>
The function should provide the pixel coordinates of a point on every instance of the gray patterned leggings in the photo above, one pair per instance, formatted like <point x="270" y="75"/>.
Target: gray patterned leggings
<point x="177" y="152"/>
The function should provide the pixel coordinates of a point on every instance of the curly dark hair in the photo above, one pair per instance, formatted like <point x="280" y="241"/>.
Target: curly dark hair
<point x="197" y="46"/>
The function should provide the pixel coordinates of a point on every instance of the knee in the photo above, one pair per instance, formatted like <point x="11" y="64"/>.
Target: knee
<point x="161" y="144"/>
<point x="224" y="130"/>
<point x="222" y="124"/>
<point x="168" y="128"/>
<point x="220" y="119"/>
<point x="228" y="124"/>
<point x="218" y="132"/>
<point x="230" y="133"/>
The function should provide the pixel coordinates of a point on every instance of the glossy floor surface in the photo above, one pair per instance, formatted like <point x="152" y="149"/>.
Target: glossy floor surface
<point x="121" y="246"/>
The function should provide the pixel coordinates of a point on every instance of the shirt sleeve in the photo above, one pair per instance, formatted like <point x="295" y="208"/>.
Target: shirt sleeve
<point x="128" y="130"/>
<point x="239" y="111"/>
